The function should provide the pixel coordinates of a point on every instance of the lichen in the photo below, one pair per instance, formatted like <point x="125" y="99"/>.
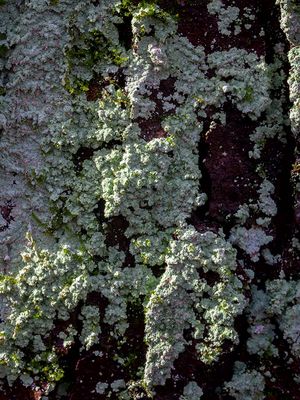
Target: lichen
<point x="192" y="392"/>
<point x="246" y="384"/>
<point x="110" y="186"/>
<point x="250" y="240"/>
<point x="170" y="311"/>
<point x="280" y="303"/>
<point x="228" y="17"/>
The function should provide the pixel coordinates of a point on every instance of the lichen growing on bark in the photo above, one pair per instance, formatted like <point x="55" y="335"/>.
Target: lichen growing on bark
<point x="149" y="175"/>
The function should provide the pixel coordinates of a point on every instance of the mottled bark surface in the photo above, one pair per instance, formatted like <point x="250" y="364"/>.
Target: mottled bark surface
<point x="190" y="178"/>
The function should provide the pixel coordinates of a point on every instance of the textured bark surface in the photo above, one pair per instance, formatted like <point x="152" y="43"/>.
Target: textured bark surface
<point x="149" y="205"/>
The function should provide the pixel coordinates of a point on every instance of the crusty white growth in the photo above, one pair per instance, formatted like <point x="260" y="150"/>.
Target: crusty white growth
<point x="147" y="179"/>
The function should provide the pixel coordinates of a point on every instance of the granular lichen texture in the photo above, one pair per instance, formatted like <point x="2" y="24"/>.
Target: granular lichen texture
<point x="150" y="199"/>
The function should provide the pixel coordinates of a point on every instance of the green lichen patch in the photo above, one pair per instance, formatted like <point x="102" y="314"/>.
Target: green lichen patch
<point x="170" y="311"/>
<point x="118" y="198"/>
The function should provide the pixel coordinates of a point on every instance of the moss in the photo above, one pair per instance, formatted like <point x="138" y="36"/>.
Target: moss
<point x="46" y="367"/>
<point x="88" y="51"/>
<point x="248" y="94"/>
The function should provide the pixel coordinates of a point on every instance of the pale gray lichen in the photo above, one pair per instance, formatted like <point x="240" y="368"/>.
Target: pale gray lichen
<point x="280" y="302"/>
<point x="118" y="384"/>
<point x="264" y="208"/>
<point x="276" y="121"/>
<point x="273" y="126"/>
<point x="262" y="331"/>
<point x="49" y="285"/>
<point x="250" y="240"/>
<point x="266" y="204"/>
<point x="284" y="303"/>
<point x="246" y="384"/>
<point x="91" y="326"/>
<point x="171" y="311"/>
<point x="246" y="79"/>
<point x="290" y="21"/>
<point x="101" y="387"/>
<point x="228" y="17"/>
<point x="33" y="97"/>
<point x="152" y="185"/>
<point x="242" y="214"/>
<point x="192" y="392"/>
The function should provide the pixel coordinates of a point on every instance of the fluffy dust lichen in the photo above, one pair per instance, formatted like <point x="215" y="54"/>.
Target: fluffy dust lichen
<point x="105" y="142"/>
<point x="171" y="311"/>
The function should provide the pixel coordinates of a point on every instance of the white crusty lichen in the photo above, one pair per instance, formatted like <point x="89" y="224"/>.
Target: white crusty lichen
<point x="290" y="23"/>
<point x="171" y="311"/>
<point x="250" y="240"/>
<point x="264" y="208"/>
<point x="49" y="285"/>
<point x="276" y="121"/>
<point x="192" y="392"/>
<point x="228" y="17"/>
<point x="246" y="384"/>
<point x="101" y="387"/>
<point x="243" y="77"/>
<point x="265" y="203"/>
<point x="279" y="303"/>
<point x="284" y="304"/>
<point x="91" y="326"/>
<point x="261" y="330"/>
<point x="149" y="180"/>
<point x="33" y="100"/>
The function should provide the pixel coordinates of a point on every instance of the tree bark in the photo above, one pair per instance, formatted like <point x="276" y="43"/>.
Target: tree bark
<point x="149" y="205"/>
